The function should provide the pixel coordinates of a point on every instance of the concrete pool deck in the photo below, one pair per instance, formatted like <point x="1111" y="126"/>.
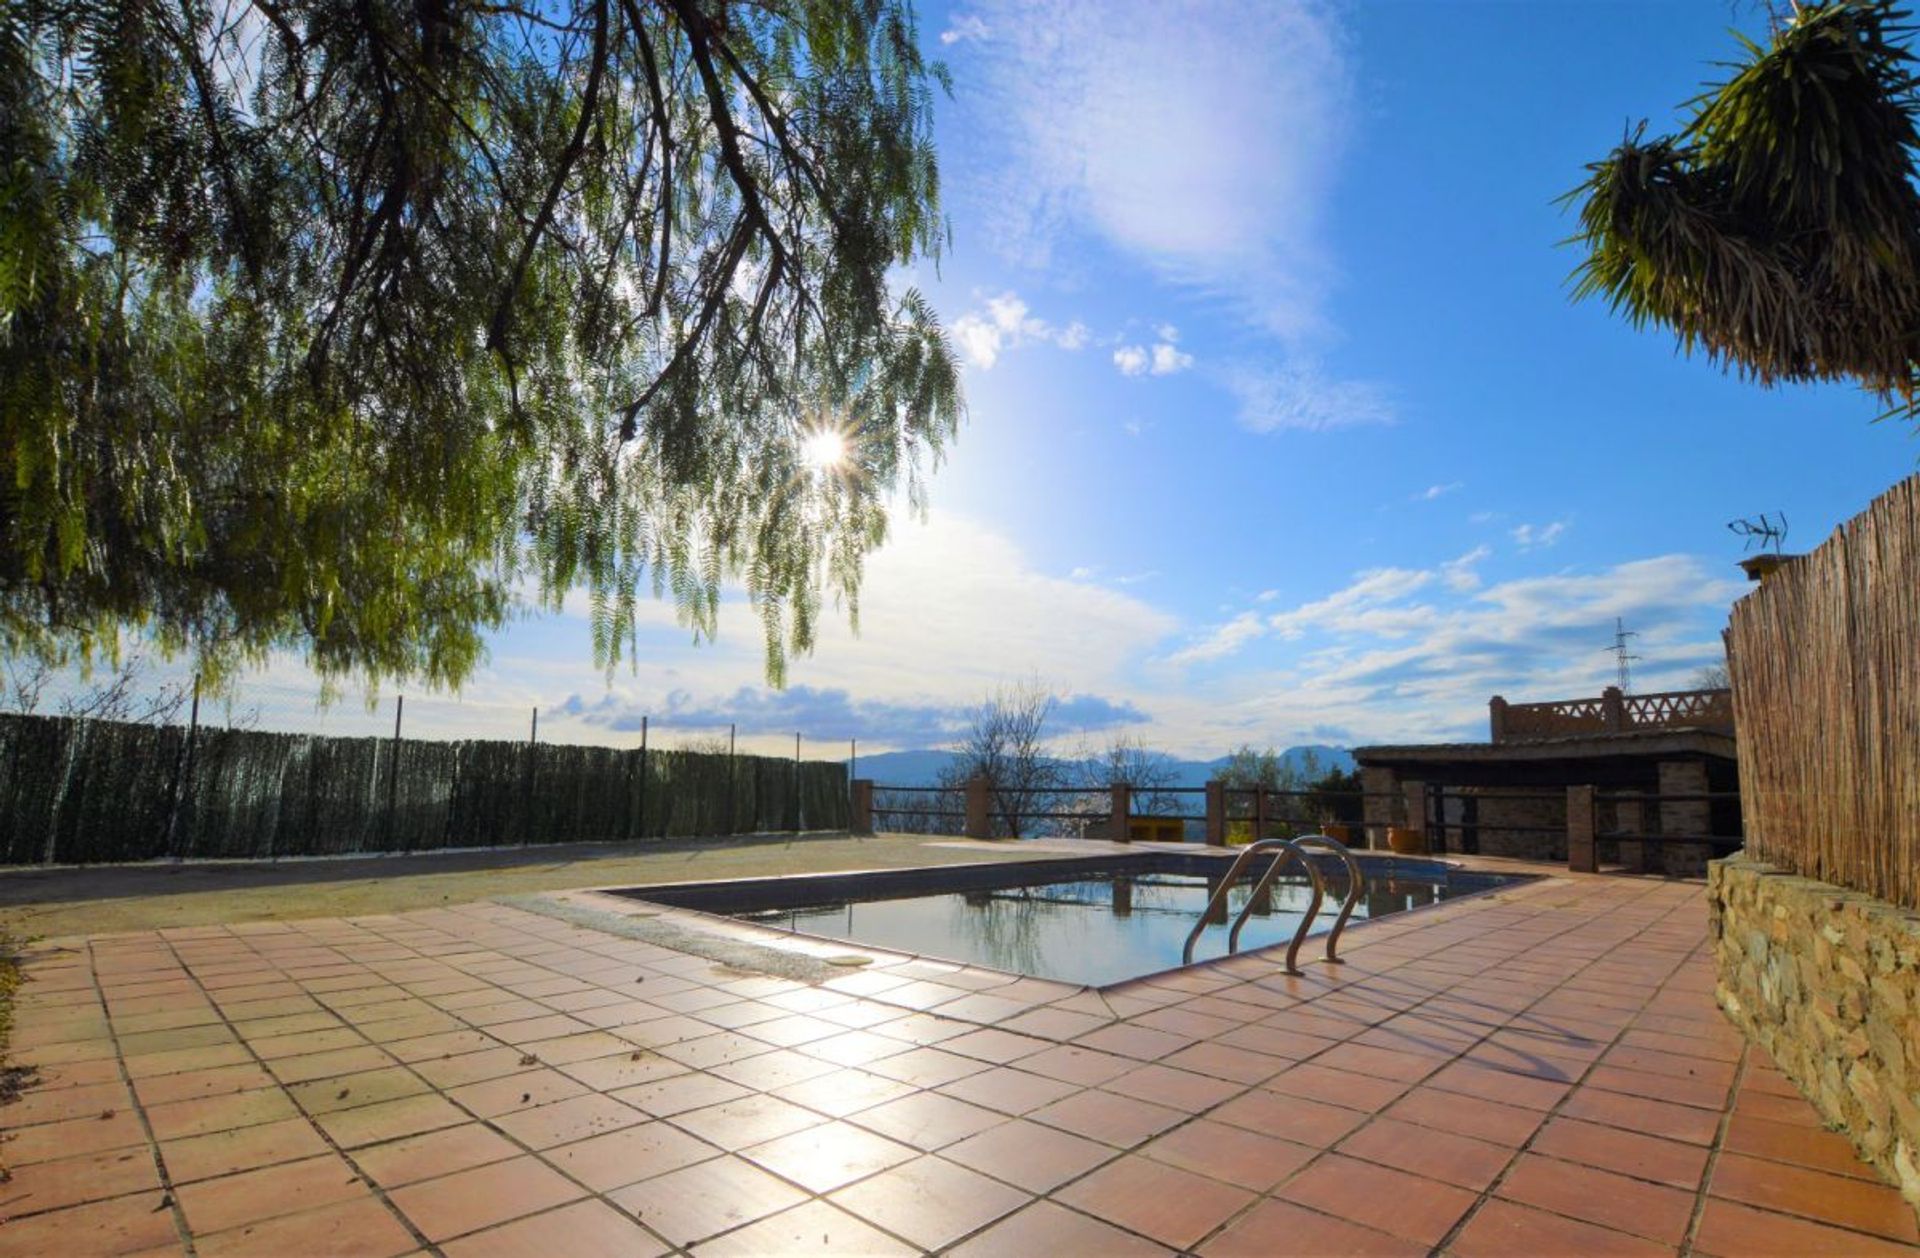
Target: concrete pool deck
<point x="1539" y="1070"/>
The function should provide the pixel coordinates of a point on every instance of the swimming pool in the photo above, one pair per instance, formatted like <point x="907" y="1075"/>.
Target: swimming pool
<point x="1095" y="921"/>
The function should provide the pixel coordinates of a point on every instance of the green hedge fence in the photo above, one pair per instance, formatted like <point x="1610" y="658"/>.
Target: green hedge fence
<point x="74" y="791"/>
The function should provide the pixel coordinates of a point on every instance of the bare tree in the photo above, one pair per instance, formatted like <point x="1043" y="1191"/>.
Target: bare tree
<point x="25" y="682"/>
<point x="706" y="745"/>
<point x="1006" y="745"/>
<point x="1711" y="677"/>
<point x="940" y="811"/>
<point x="1125" y="761"/>
<point x="124" y="692"/>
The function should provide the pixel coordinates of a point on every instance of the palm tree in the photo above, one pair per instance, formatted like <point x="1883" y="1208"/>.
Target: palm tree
<point x="1779" y="231"/>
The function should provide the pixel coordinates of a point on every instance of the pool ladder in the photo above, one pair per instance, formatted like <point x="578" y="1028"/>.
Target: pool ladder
<point x="1289" y="850"/>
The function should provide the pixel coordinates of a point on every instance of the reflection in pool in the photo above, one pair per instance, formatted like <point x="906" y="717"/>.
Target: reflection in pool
<point x="1098" y="928"/>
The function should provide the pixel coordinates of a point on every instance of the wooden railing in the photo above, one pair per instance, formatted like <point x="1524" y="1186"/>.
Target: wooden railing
<point x="1611" y="712"/>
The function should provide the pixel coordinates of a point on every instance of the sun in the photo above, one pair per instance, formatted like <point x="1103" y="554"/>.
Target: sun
<point x="824" y="449"/>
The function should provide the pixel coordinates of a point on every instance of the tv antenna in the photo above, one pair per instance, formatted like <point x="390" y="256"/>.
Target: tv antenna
<point x="1762" y="530"/>
<point x="1621" y="657"/>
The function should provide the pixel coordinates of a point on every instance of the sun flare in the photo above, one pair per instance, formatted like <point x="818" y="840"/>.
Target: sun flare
<point x="824" y="450"/>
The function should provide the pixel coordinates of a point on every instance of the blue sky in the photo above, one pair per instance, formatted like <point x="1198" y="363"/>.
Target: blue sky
<point x="1282" y="426"/>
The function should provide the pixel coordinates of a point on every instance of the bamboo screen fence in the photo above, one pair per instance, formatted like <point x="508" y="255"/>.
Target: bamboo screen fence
<point x="1826" y="692"/>
<point x="76" y="791"/>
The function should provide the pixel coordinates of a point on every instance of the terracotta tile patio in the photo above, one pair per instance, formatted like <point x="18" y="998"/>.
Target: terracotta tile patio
<point x="1533" y="1072"/>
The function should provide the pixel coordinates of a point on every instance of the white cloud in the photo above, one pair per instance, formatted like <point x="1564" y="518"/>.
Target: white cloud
<point x="1201" y="143"/>
<point x="1539" y="536"/>
<point x="1168" y="359"/>
<point x="1438" y="491"/>
<point x="965" y="27"/>
<point x="1459" y="573"/>
<point x="1006" y="324"/>
<point x="1298" y="396"/>
<point x="1404" y="654"/>
<point x="1163" y="358"/>
<point x="952" y="608"/>
<point x="1221" y="640"/>
<point x="1347" y="608"/>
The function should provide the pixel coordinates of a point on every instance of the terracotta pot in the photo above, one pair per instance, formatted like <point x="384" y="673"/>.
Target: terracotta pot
<point x="1406" y="841"/>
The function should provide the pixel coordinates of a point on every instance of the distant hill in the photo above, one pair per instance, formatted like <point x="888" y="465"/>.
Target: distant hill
<point x="923" y="768"/>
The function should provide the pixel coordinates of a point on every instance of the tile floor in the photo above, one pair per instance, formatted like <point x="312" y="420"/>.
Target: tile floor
<point x="1536" y="1072"/>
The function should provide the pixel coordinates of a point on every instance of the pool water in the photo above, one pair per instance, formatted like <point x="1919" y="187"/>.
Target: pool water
<point x="1094" y="926"/>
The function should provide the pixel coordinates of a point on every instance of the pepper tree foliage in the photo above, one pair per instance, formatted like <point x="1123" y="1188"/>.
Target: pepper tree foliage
<point x="351" y="326"/>
<point x="1779" y="231"/>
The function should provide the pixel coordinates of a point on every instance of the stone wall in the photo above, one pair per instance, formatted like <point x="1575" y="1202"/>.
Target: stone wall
<point x="1828" y="982"/>
<point x="1382" y="805"/>
<point x="1528" y="822"/>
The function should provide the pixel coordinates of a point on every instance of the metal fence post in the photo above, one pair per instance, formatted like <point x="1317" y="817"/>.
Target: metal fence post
<point x="733" y="822"/>
<point x="393" y="769"/>
<point x="183" y="775"/>
<point x="643" y="776"/>
<point x="533" y="767"/>
<point x="799" y="814"/>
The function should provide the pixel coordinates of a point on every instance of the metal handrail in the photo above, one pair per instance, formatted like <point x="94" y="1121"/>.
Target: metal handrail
<point x="1259" y="892"/>
<point x="1356" y="883"/>
<point x="1219" y="897"/>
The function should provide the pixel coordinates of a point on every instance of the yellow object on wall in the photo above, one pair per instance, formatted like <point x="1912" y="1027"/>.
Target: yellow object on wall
<point x="1156" y="830"/>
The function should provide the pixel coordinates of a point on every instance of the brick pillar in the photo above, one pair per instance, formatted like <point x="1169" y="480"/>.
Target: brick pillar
<point x="1119" y="812"/>
<point x="1688" y="816"/>
<point x="862" y="819"/>
<point x="1582" y="858"/>
<point x="1379" y="798"/>
<point x="1497" y="719"/>
<point x="1259" y="813"/>
<point x="979" y="809"/>
<point x="1613" y="710"/>
<point x="1216" y="814"/>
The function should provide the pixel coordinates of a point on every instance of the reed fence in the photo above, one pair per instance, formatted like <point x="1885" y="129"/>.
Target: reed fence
<point x="75" y="791"/>
<point x="1825" y="658"/>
